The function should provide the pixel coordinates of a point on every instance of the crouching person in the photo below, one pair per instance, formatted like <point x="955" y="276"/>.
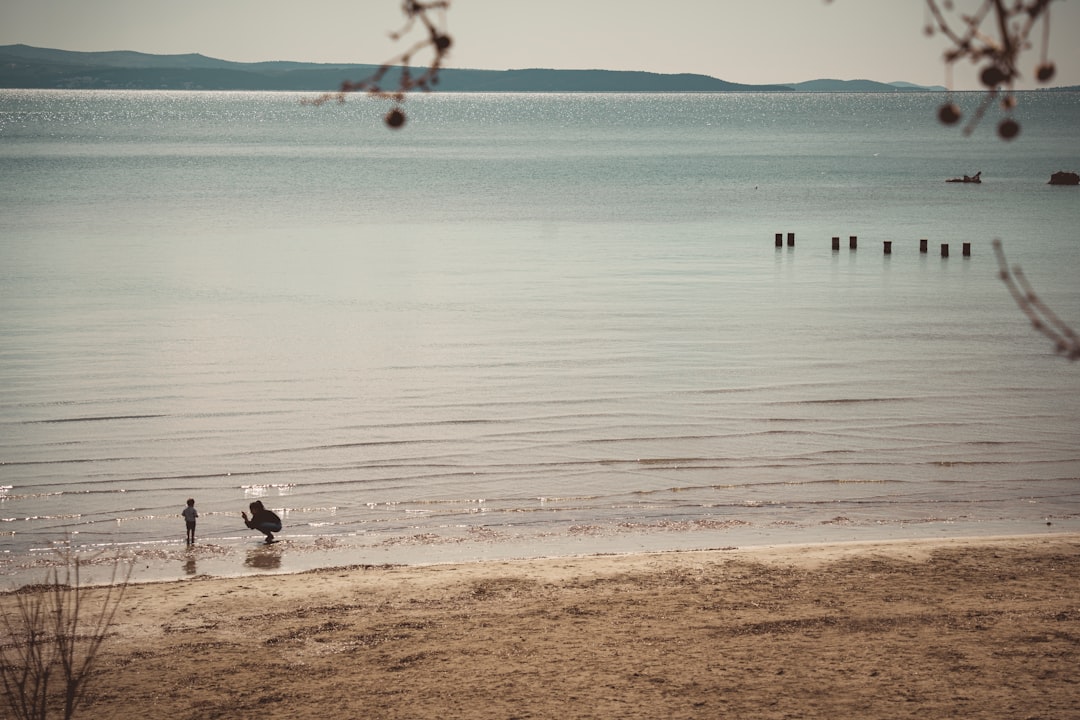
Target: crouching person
<point x="262" y="520"/>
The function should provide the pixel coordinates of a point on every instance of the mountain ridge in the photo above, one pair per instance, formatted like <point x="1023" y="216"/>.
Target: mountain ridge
<point x="26" y="67"/>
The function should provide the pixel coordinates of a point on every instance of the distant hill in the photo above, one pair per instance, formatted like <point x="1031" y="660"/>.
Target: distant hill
<point x="23" y="66"/>
<point x="538" y="80"/>
<point x="861" y="86"/>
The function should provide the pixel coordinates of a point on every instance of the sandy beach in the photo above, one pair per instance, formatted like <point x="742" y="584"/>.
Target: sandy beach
<point x="974" y="628"/>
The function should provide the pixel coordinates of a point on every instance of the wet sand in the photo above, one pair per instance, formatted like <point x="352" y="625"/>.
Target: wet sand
<point x="975" y="628"/>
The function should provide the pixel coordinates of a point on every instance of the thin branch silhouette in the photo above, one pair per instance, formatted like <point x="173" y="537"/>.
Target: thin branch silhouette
<point x="430" y="17"/>
<point x="1042" y="317"/>
<point x="995" y="37"/>
<point x="52" y="639"/>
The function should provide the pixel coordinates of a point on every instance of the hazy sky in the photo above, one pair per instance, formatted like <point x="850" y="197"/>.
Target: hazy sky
<point x="748" y="41"/>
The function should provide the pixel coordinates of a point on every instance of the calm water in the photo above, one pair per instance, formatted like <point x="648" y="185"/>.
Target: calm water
<point x="524" y="325"/>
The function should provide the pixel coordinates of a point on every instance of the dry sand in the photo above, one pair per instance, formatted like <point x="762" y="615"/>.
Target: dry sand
<point x="979" y="628"/>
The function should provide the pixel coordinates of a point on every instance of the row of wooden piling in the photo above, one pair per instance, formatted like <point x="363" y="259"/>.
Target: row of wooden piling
<point x="853" y="243"/>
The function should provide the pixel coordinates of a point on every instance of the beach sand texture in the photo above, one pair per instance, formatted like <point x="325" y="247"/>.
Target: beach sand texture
<point x="977" y="628"/>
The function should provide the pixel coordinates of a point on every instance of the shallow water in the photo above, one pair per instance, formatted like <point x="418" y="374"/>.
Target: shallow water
<point x="524" y="325"/>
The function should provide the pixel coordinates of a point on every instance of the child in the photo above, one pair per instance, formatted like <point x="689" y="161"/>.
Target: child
<point x="190" y="513"/>
<point x="262" y="520"/>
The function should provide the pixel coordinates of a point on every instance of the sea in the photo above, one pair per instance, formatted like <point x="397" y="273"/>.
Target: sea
<point x="525" y="325"/>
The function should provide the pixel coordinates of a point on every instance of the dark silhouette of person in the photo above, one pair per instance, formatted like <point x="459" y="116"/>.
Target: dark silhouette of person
<point x="190" y="514"/>
<point x="262" y="520"/>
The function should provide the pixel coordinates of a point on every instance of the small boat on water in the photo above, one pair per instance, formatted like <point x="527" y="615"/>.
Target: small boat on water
<point x="976" y="178"/>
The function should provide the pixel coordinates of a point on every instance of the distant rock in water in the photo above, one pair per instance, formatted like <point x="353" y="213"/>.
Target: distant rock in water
<point x="1064" y="178"/>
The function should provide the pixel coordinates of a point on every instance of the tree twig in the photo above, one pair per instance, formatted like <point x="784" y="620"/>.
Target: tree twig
<point x="1042" y="318"/>
<point x="997" y="50"/>
<point x="52" y="638"/>
<point x="431" y="16"/>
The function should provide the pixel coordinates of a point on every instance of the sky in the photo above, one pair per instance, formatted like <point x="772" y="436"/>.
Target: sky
<point x="744" y="41"/>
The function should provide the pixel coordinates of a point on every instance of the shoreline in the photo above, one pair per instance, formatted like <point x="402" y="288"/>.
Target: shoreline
<point x="239" y="556"/>
<point x="808" y="555"/>
<point x="982" y="627"/>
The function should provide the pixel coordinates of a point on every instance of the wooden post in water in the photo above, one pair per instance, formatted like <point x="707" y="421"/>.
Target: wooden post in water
<point x="888" y="247"/>
<point x="944" y="249"/>
<point x="967" y="249"/>
<point x="779" y="239"/>
<point x="922" y="245"/>
<point x="791" y="239"/>
<point x="836" y="243"/>
<point x="853" y="242"/>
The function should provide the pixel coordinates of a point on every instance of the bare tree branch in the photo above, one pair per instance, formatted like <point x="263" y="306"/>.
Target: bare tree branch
<point x="431" y="18"/>
<point x="997" y="48"/>
<point x="51" y="639"/>
<point x="1042" y="317"/>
